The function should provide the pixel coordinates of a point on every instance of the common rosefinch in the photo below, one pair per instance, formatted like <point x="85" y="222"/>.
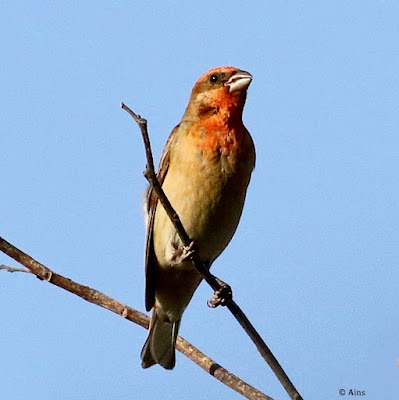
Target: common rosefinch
<point x="205" y="169"/>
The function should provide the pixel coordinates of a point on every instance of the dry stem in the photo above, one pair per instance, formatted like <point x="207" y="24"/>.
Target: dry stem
<point x="209" y="278"/>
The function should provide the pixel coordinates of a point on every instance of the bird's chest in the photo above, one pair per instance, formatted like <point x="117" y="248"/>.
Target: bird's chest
<point x="205" y="165"/>
<point x="206" y="184"/>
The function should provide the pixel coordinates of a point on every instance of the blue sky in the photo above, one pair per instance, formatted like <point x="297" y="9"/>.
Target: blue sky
<point x="314" y="263"/>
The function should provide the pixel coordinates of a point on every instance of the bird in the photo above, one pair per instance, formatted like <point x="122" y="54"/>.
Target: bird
<point x="204" y="170"/>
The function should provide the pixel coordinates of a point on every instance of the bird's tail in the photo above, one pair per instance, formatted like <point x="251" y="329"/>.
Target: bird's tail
<point x="159" y="348"/>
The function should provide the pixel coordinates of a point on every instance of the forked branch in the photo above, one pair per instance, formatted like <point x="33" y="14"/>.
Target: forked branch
<point x="137" y="317"/>
<point x="102" y="300"/>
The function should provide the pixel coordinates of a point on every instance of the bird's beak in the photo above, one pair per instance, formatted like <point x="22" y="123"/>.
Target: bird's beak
<point x="240" y="80"/>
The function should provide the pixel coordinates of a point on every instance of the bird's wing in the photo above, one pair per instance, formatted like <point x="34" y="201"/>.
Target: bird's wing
<point x="151" y="206"/>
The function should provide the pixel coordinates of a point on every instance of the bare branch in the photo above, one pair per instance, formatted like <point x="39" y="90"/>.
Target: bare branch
<point x="102" y="300"/>
<point x="263" y="349"/>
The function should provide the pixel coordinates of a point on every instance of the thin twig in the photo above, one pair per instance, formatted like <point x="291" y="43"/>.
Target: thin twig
<point x="102" y="300"/>
<point x="210" y="279"/>
<point x="12" y="269"/>
<point x="151" y="176"/>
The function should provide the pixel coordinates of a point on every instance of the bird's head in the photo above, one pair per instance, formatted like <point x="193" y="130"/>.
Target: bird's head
<point x="220" y="90"/>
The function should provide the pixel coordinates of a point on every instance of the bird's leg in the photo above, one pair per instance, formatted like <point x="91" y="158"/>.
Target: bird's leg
<point x="221" y="296"/>
<point x="183" y="253"/>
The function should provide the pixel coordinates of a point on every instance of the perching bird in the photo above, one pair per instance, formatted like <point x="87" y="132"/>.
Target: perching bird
<point x="204" y="171"/>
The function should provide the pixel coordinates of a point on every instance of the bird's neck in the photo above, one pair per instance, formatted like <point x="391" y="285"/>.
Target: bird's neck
<point x="225" y="109"/>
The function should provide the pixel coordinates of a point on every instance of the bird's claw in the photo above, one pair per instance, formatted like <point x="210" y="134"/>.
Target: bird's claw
<point x="183" y="253"/>
<point x="221" y="296"/>
<point x="188" y="251"/>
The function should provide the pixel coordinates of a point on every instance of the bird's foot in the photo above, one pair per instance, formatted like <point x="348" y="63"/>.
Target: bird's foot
<point x="221" y="296"/>
<point x="183" y="253"/>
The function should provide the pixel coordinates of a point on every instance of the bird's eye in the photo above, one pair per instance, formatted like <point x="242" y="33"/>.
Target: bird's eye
<point x="214" y="78"/>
